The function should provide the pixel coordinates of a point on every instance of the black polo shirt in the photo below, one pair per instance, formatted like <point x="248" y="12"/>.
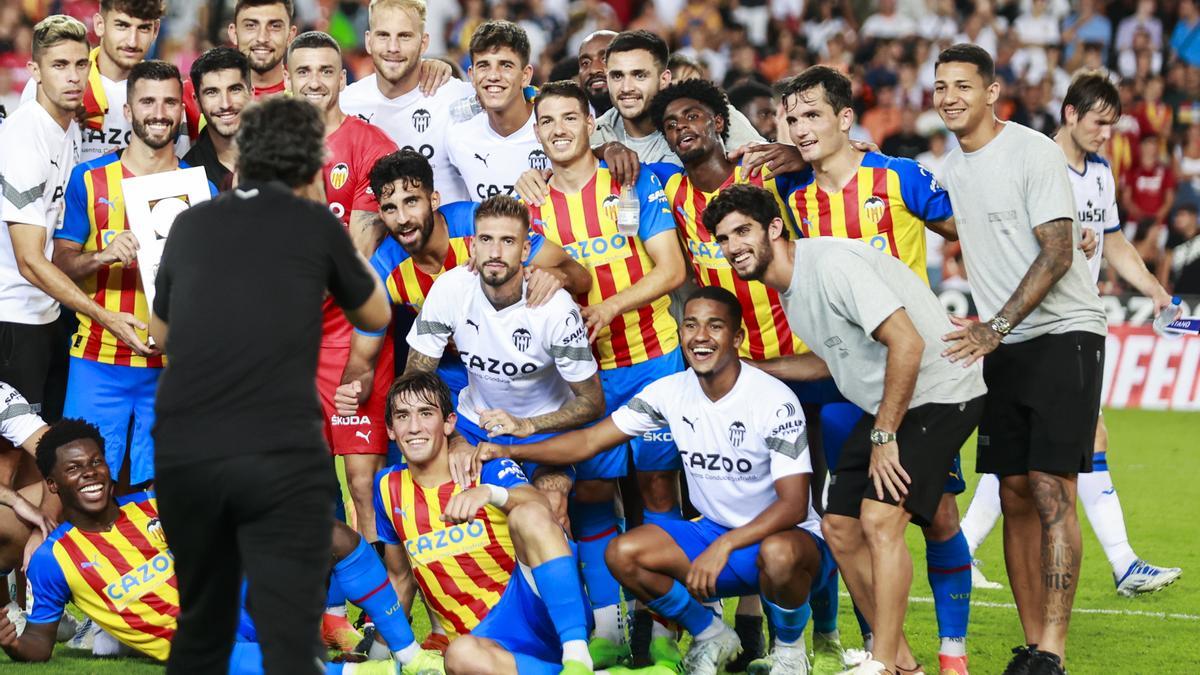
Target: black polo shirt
<point x="240" y="287"/>
<point x="204" y="154"/>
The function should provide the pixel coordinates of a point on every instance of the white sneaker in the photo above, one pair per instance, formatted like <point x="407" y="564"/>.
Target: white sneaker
<point x="1142" y="577"/>
<point x="868" y="667"/>
<point x="783" y="660"/>
<point x="16" y="616"/>
<point x="853" y="657"/>
<point x="105" y="644"/>
<point x="980" y="581"/>
<point x="85" y="635"/>
<point x="708" y="656"/>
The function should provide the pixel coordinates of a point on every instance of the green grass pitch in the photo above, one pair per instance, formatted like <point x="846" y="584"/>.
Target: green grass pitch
<point x="1154" y="468"/>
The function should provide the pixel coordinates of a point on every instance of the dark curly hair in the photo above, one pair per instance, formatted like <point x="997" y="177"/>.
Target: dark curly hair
<point x="138" y="9"/>
<point x="406" y="165"/>
<point x="748" y="200"/>
<point x="721" y="296"/>
<point x="63" y="433"/>
<point x="703" y="91"/>
<point x="281" y="139"/>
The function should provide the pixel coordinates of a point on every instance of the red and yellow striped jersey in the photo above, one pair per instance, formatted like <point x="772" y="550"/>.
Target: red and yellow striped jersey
<point x="94" y="215"/>
<point x="767" y="333"/>
<point x="885" y="205"/>
<point x="122" y="579"/>
<point x="584" y="223"/>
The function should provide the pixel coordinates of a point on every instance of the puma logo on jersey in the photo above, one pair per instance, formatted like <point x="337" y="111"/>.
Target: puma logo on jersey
<point x="483" y="158"/>
<point x="365" y="435"/>
<point x="689" y="423"/>
<point x="473" y="325"/>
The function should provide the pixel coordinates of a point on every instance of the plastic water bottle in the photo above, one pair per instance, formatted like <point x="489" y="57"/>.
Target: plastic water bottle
<point x="465" y="108"/>
<point x="628" y="211"/>
<point x="1169" y="314"/>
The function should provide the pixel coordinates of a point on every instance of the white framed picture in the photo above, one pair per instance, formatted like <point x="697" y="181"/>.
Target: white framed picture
<point x="151" y="204"/>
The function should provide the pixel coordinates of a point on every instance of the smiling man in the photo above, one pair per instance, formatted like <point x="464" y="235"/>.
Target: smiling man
<point x="221" y="80"/>
<point x="262" y="29"/>
<point x="593" y="69"/>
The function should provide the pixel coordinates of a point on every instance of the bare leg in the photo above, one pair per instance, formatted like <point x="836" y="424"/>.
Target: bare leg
<point x="360" y="478"/>
<point x="1022" y="553"/>
<point x="469" y="655"/>
<point x="891" y="567"/>
<point x="1061" y="552"/>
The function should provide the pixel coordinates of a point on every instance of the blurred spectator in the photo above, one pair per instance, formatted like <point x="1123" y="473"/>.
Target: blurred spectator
<point x="754" y="15"/>
<point x="1153" y="115"/>
<point x="1181" y="263"/>
<point x="1034" y="31"/>
<point x="1032" y="110"/>
<point x="1140" y="55"/>
<point x="883" y="120"/>
<point x="909" y="92"/>
<point x="1185" y="40"/>
<point x="777" y="65"/>
<point x="983" y="28"/>
<point x="935" y="157"/>
<point x="1087" y="25"/>
<point x="942" y="23"/>
<point x="1146" y="198"/>
<point x="1187" y="166"/>
<point x="697" y="16"/>
<point x="888" y="24"/>
<point x="1121" y="149"/>
<point x="757" y="102"/>
<point x="686" y="67"/>
<point x="1142" y="19"/>
<point x="906" y="141"/>
<point x="743" y="67"/>
<point x="824" y="21"/>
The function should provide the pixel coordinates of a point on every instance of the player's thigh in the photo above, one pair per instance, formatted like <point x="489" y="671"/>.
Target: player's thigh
<point x="653" y="548"/>
<point x="143" y="389"/>
<point x="659" y="490"/>
<point x="945" y="521"/>
<point x="1066" y="402"/>
<point x="476" y="655"/>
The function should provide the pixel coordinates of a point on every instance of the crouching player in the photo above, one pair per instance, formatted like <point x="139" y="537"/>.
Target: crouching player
<point x="741" y="435"/>
<point x="110" y="558"/>
<point x="490" y="560"/>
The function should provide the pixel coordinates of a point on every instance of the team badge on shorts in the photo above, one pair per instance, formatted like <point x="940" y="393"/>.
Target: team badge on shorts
<point x="339" y="175"/>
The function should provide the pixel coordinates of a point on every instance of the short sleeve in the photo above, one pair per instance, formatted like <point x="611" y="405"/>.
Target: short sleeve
<point x="785" y="432"/>
<point x="50" y="591"/>
<point x="350" y="283"/>
<point x="431" y="331"/>
<point x="922" y="193"/>
<point x="383" y="518"/>
<point x="855" y="291"/>
<point x="18" y="420"/>
<point x="655" y="217"/>
<point x="503" y="473"/>
<point x="644" y="412"/>
<point x="378" y="145"/>
<point x="568" y="340"/>
<point x="76" y="226"/>
<point x="1048" y="193"/>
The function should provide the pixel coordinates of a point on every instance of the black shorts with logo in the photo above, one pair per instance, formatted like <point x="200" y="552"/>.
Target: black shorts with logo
<point x="1042" y="403"/>
<point x="929" y="438"/>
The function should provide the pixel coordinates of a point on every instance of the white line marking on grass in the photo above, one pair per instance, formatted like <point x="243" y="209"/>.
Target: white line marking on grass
<point x="1076" y="610"/>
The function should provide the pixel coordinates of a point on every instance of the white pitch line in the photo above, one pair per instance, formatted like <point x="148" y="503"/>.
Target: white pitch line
<point x="1076" y="610"/>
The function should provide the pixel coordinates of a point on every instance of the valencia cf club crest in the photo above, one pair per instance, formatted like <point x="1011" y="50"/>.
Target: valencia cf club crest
<point x="155" y="531"/>
<point x="874" y="209"/>
<point x="339" y="175"/>
<point x="737" y="433"/>
<point x="538" y="160"/>
<point x="420" y="120"/>
<point x="521" y="338"/>
<point x="610" y="206"/>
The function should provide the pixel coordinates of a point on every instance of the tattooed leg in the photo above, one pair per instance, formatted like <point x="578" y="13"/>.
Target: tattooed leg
<point x="1022" y="552"/>
<point x="1061" y="553"/>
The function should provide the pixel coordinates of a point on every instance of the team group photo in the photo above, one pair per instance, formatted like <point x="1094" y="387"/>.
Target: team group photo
<point x="525" y="337"/>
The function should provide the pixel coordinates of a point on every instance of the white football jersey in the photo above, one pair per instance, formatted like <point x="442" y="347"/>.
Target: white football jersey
<point x="733" y="450"/>
<point x="1095" y="203"/>
<point x="519" y="359"/>
<point x="489" y="163"/>
<point x="415" y="121"/>
<point x="18" y="419"/>
<point x="36" y="159"/>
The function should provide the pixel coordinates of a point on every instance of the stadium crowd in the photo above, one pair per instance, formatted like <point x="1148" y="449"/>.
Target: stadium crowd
<point x="610" y="243"/>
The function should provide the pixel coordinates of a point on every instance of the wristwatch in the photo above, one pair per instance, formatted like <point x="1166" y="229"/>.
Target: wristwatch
<point x="881" y="437"/>
<point x="1001" y="325"/>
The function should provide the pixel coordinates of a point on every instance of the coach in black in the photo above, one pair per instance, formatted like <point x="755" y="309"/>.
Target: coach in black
<point x="245" y="483"/>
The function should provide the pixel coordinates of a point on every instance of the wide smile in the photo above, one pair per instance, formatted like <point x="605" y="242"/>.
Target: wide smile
<point x="702" y="353"/>
<point x="92" y="491"/>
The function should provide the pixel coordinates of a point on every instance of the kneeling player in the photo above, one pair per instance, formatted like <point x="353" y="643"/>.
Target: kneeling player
<point x="742" y="438"/>
<point x="110" y="558"/>
<point x="490" y="560"/>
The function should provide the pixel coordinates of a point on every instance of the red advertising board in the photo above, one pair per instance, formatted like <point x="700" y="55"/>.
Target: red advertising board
<point x="1144" y="370"/>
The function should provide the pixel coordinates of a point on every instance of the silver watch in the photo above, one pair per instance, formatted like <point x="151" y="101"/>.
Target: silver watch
<point x="881" y="437"/>
<point x="1001" y="325"/>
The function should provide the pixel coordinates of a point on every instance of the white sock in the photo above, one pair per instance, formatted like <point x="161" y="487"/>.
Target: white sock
<point x="608" y="623"/>
<point x="1103" y="509"/>
<point x="105" y="645"/>
<point x="714" y="629"/>
<point x="577" y="650"/>
<point x="781" y="643"/>
<point x="829" y="637"/>
<point x="983" y="512"/>
<point x="336" y="610"/>
<point x="408" y="653"/>
<point x="659" y="628"/>
<point x="953" y="647"/>
<point x="869" y="642"/>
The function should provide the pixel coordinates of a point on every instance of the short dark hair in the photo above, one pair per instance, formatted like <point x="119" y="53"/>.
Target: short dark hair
<point x="496" y="34"/>
<point x="703" y="91"/>
<point x="503" y="206"/>
<point x="561" y="89"/>
<point x="219" y="58"/>
<point x="964" y="52"/>
<point x="138" y="9"/>
<point x="153" y="69"/>
<point x="632" y="40"/>
<point x="244" y="4"/>
<point x="747" y="91"/>
<point x="749" y="200"/>
<point x="422" y="385"/>
<point x="1090" y="91"/>
<point x="721" y="295"/>
<point x="839" y="92"/>
<point x="314" y="39"/>
<point x="405" y="165"/>
<point x="282" y="139"/>
<point x="60" y="434"/>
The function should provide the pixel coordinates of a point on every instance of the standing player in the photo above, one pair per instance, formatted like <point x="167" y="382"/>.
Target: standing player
<point x="627" y="318"/>
<point x="875" y="327"/>
<point x="1044" y="341"/>
<point x="221" y="80"/>
<point x="391" y="99"/>
<point x="885" y="202"/>
<point x="110" y="384"/>
<point x="742" y="438"/>
<point x="1090" y="109"/>
<point x="262" y="29"/>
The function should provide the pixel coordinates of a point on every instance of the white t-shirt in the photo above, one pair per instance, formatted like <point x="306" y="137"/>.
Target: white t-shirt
<point x="36" y="158"/>
<point x="18" y="419"/>
<point x="734" y="449"/>
<point x="1095" y="203"/>
<point x="489" y="163"/>
<point x="416" y="121"/>
<point x="519" y="359"/>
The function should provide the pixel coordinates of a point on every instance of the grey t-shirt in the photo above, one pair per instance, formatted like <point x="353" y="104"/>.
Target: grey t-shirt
<point x="653" y="148"/>
<point x="841" y="291"/>
<point x="1000" y="193"/>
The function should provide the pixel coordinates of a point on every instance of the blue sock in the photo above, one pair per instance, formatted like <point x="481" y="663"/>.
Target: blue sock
<point x="824" y="603"/>
<point x="679" y="605"/>
<point x="949" y="564"/>
<point x="335" y="596"/>
<point x="789" y="623"/>
<point x="558" y="585"/>
<point x="530" y="665"/>
<point x="1100" y="461"/>
<point x="655" y="517"/>
<point x="595" y="525"/>
<point x="365" y="582"/>
<point x="863" y="626"/>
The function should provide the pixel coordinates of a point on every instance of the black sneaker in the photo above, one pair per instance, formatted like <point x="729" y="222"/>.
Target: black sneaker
<point x="750" y="630"/>
<point x="1021" y="660"/>
<point x="1045" y="663"/>
<point x="639" y="638"/>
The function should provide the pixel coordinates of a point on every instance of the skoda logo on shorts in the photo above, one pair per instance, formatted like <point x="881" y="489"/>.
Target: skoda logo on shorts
<point x="538" y="160"/>
<point x="520" y="338"/>
<point x="737" y="433"/>
<point x="420" y="120"/>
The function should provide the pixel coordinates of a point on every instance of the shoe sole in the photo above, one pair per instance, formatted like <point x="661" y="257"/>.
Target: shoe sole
<point x="1146" y="589"/>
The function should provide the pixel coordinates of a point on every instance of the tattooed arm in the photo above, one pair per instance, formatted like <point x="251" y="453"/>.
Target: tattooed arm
<point x="420" y="363"/>
<point x="587" y="405"/>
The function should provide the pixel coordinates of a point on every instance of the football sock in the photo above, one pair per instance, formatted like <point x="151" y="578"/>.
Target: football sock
<point x="335" y="598"/>
<point x="679" y="605"/>
<point x="824" y="603"/>
<point x="365" y="581"/>
<point x="789" y="623"/>
<point x="1103" y="509"/>
<point x="983" y="512"/>
<point x="863" y="626"/>
<point x="949" y="568"/>
<point x="595" y="525"/>
<point x="558" y="583"/>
